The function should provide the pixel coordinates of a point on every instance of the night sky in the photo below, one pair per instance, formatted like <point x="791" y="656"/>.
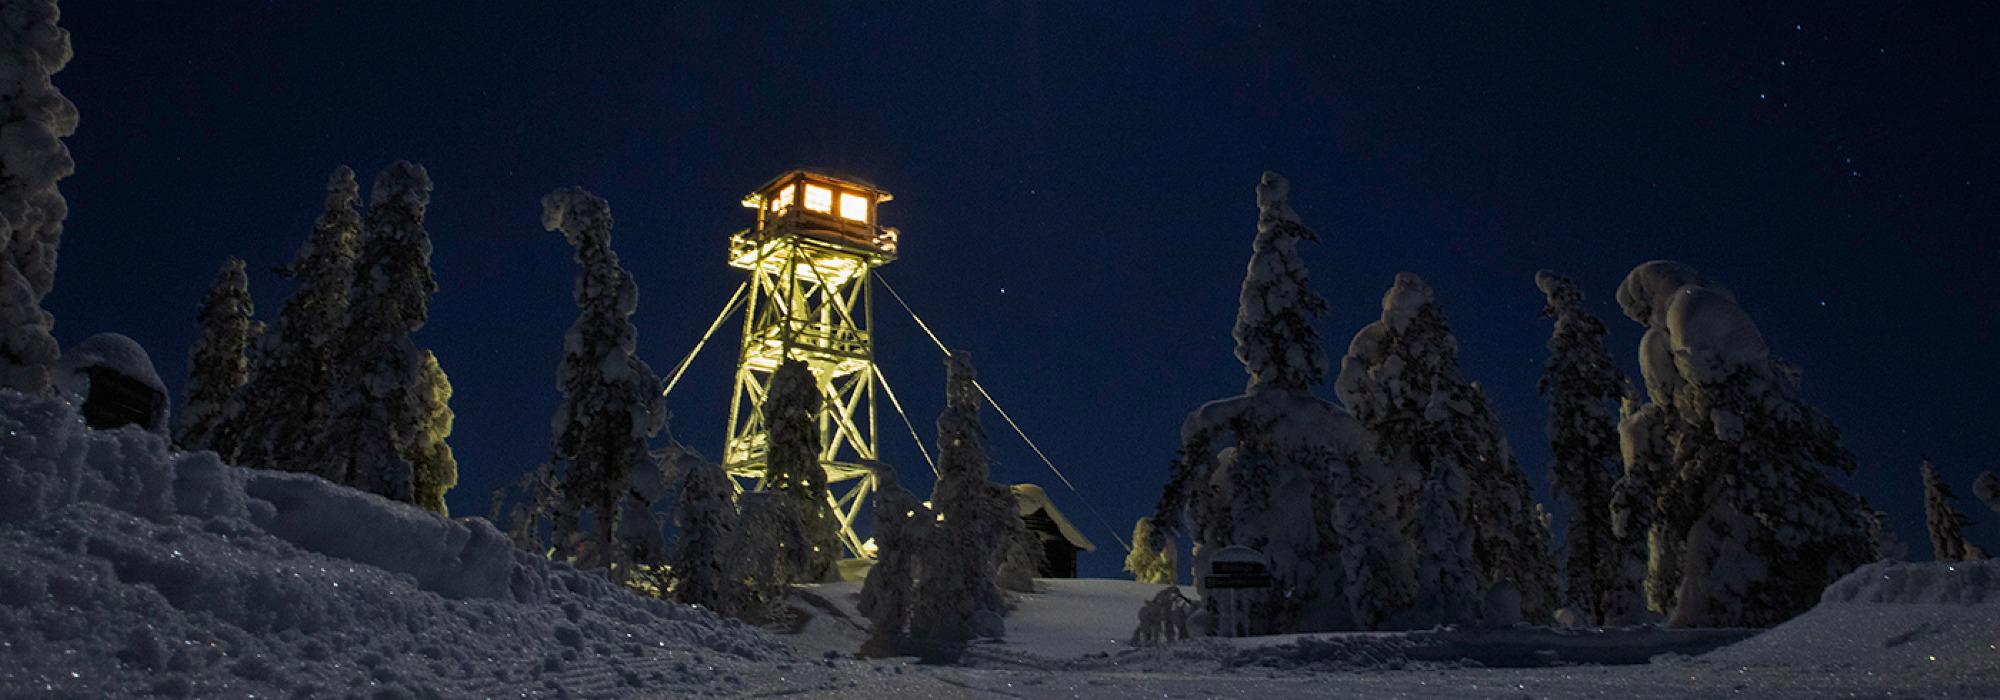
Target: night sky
<point x="1075" y="191"/>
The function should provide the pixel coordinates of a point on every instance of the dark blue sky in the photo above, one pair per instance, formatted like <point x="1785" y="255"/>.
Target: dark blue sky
<point x="1075" y="190"/>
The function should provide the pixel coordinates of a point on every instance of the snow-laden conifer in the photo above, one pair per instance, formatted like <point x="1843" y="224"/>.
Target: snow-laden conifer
<point x="1436" y="430"/>
<point x="1987" y="489"/>
<point x="611" y="399"/>
<point x="1282" y="471"/>
<point x="433" y="468"/>
<point x="1945" y="523"/>
<point x="284" y="411"/>
<point x="1756" y="526"/>
<point x="958" y="584"/>
<point x="706" y="518"/>
<point x="378" y="407"/>
<point x="1021" y="555"/>
<point x="902" y="526"/>
<point x="217" y="366"/>
<point x="1152" y="557"/>
<point x="1601" y="571"/>
<point x="1882" y="539"/>
<point x="794" y="474"/>
<point x="34" y="118"/>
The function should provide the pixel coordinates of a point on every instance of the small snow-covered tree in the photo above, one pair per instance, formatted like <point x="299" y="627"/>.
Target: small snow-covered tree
<point x="902" y="527"/>
<point x="706" y="517"/>
<point x="611" y="398"/>
<point x="952" y="601"/>
<point x="1282" y="471"/>
<point x="794" y="474"/>
<point x="284" y="410"/>
<point x="217" y="366"/>
<point x="1758" y="527"/>
<point x="1987" y="489"/>
<point x="1946" y="524"/>
<point x="1887" y="546"/>
<point x="1601" y="570"/>
<point x="1436" y="430"/>
<point x="1021" y="556"/>
<point x="1152" y="557"/>
<point x="378" y="406"/>
<point x="34" y="117"/>
<point x="433" y="468"/>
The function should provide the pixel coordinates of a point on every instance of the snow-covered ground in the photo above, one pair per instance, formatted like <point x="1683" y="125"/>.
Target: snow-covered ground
<point x="127" y="569"/>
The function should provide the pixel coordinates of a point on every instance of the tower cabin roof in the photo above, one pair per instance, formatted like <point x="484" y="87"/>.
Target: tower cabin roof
<point x="1029" y="498"/>
<point x="843" y="181"/>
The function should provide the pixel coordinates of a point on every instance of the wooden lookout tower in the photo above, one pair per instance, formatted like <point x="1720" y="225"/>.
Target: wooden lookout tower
<point x="809" y="257"/>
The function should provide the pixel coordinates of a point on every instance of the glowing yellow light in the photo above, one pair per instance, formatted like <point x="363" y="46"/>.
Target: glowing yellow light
<point x="819" y="199"/>
<point x="782" y="200"/>
<point x="853" y="207"/>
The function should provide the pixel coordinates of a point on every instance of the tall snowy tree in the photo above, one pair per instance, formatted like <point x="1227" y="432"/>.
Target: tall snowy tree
<point x="611" y="399"/>
<point x="433" y="468"/>
<point x="378" y="407"/>
<point x="1946" y="524"/>
<point x="706" y="517"/>
<point x="955" y="596"/>
<point x="1742" y="511"/>
<point x="794" y="474"/>
<point x="217" y="366"/>
<point x="1602" y="572"/>
<point x="35" y="117"/>
<point x="1455" y="476"/>
<point x="902" y="526"/>
<point x="1152" y="557"/>
<point x="284" y="410"/>
<point x="1280" y="470"/>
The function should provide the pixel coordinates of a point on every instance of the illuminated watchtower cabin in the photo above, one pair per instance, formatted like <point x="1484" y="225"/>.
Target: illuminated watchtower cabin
<point x="809" y="259"/>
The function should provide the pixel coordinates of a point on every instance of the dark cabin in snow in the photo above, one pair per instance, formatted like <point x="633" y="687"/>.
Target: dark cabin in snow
<point x="115" y="384"/>
<point x="1060" y="540"/>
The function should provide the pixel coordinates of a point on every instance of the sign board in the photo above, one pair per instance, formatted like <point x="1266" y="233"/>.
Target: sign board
<point x="1238" y="579"/>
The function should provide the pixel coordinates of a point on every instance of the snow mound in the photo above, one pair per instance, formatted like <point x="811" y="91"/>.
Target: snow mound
<point x="1913" y="583"/>
<point x="134" y="569"/>
<point x="1917" y="619"/>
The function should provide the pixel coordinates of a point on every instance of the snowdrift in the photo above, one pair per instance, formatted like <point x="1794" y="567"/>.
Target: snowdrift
<point x="1924" y="620"/>
<point x="133" y="569"/>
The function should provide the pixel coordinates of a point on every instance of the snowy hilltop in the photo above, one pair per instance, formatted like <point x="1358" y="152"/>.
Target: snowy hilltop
<point x="133" y="568"/>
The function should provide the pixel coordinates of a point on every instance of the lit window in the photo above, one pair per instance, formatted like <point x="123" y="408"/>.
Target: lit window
<point x="819" y="199"/>
<point x="782" y="200"/>
<point x="853" y="207"/>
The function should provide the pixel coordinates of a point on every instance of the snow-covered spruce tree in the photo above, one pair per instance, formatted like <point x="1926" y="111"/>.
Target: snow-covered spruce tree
<point x="902" y="528"/>
<point x="1282" y="471"/>
<point x="283" y="412"/>
<point x="1454" y="474"/>
<point x="1882" y="539"/>
<point x="1987" y="489"/>
<point x="1602" y="572"/>
<point x="217" y="366"/>
<point x="611" y="399"/>
<point x="1759" y="527"/>
<point x="433" y="468"/>
<point x="955" y="593"/>
<point x="1946" y="524"/>
<point x="706" y="518"/>
<point x="34" y="117"/>
<point x="1021" y="556"/>
<point x="794" y="474"/>
<point x="378" y="405"/>
<point x="1152" y="557"/>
